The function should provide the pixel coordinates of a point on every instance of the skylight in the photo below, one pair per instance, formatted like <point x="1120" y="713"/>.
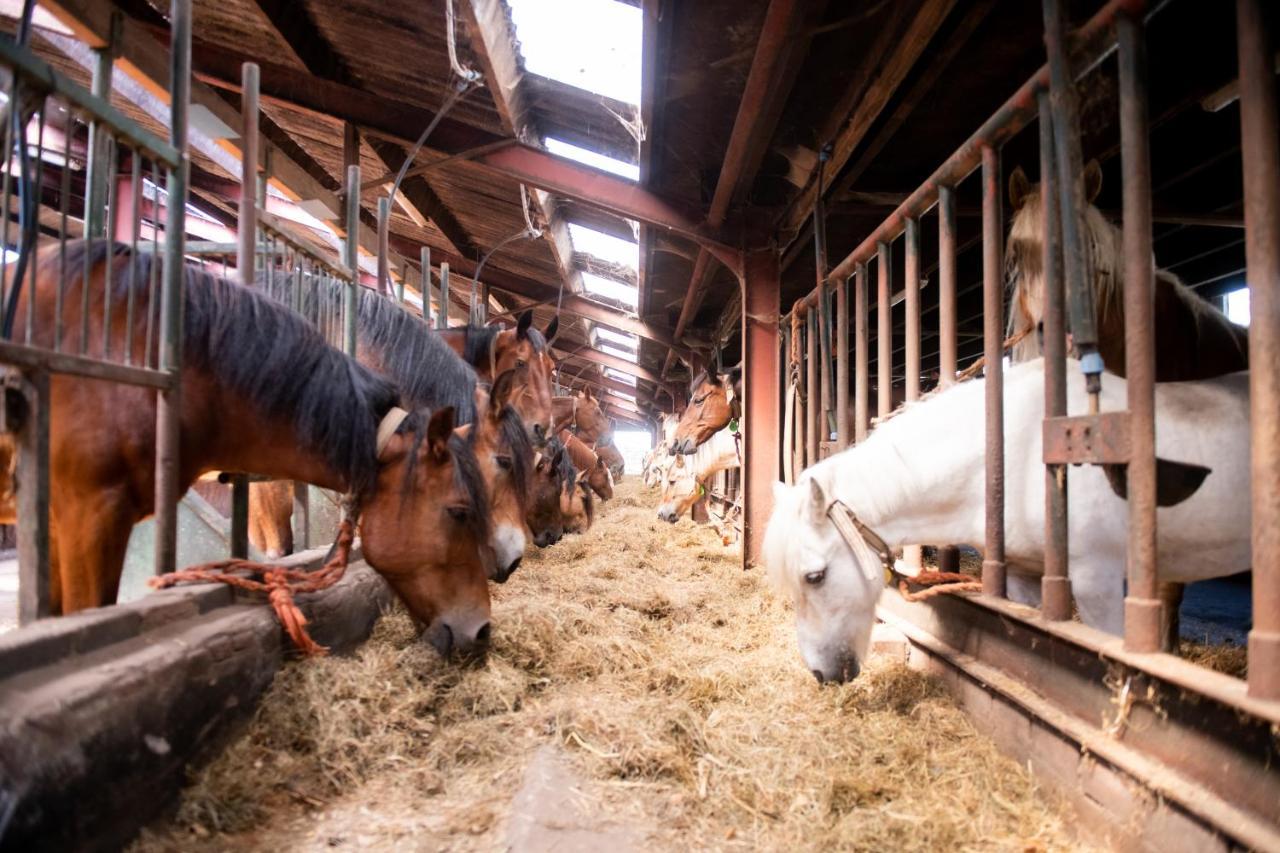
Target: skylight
<point x="604" y="246"/>
<point x="624" y="378"/>
<point x="593" y="159"/>
<point x="610" y="289"/>
<point x="1237" y="306"/>
<point x="628" y="341"/>
<point x="626" y="354"/>
<point x="591" y="44"/>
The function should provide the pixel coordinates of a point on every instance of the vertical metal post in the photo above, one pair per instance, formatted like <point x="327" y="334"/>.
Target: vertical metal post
<point x="861" y="378"/>
<point x="384" y="252"/>
<point x="424" y="260"/>
<point x="99" y="143"/>
<point x="842" y="364"/>
<point x="912" y="284"/>
<point x="948" y="555"/>
<point x="1258" y="136"/>
<point x="1141" y="604"/>
<point x="824" y="402"/>
<point x="301" y="515"/>
<point x="1066" y="132"/>
<point x="352" y="260"/>
<point x="169" y="401"/>
<point x="32" y="489"/>
<point x="1055" y="586"/>
<point x="813" y="392"/>
<point x="993" y="568"/>
<point x="884" y="332"/>
<point x="442" y="319"/>
<point x="760" y="303"/>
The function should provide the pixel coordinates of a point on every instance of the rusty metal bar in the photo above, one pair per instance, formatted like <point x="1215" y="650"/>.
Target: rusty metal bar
<point x="1055" y="586"/>
<point x="32" y="450"/>
<point x="99" y="144"/>
<point x="826" y="396"/>
<point x="442" y="319"/>
<point x="884" y="332"/>
<point x="946" y="286"/>
<point x="352" y="260"/>
<point x="1261" y="154"/>
<point x="761" y="287"/>
<point x="1142" y="603"/>
<point x="246" y="257"/>
<point x="424" y="261"/>
<point x="993" y="566"/>
<point x="842" y="364"/>
<point x="384" y="251"/>
<point x="861" y="379"/>
<point x="812" y="393"/>
<point x="912" y="285"/>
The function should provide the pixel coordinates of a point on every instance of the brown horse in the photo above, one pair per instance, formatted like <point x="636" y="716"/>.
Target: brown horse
<point x="612" y="459"/>
<point x="581" y="415"/>
<point x="1194" y="340"/>
<point x="590" y="463"/>
<point x="552" y="475"/>
<point x="715" y="399"/>
<point x="493" y="350"/>
<point x="577" y="505"/>
<point x="261" y="391"/>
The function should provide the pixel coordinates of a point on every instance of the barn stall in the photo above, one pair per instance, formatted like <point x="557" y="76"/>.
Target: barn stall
<point x="672" y="217"/>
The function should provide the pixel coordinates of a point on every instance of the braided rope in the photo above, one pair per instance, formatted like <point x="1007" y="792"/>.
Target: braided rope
<point x="939" y="583"/>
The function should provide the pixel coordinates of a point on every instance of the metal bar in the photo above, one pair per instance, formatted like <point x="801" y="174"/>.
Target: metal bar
<point x="813" y="392"/>
<point x="1142" y="603"/>
<point x="247" y="236"/>
<point x="442" y="319"/>
<point x="760" y="302"/>
<point x="1261" y="154"/>
<point x="424" y="260"/>
<point x="842" y="364"/>
<point x="99" y="144"/>
<point x="384" y="258"/>
<point x="827" y="394"/>
<point x="912" y="271"/>
<point x="352" y="260"/>
<point x="1071" y="198"/>
<point x="946" y="286"/>
<point x="861" y="379"/>
<point x="993" y="567"/>
<point x="33" y="496"/>
<point x="1055" y="586"/>
<point x="884" y="332"/>
<point x="169" y="401"/>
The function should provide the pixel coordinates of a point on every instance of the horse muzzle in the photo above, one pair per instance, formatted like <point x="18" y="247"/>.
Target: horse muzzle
<point x="845" y="670"/>
<point x="456" y="644"/>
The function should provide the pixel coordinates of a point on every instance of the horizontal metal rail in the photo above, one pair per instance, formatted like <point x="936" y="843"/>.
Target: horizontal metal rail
<point x="38" y="358"/>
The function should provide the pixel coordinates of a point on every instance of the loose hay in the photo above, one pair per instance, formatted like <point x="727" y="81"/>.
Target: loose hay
<point x="671" y="679"/>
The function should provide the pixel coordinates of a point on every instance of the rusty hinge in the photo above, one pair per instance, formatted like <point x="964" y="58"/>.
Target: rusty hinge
<point x="1101" y="439"/>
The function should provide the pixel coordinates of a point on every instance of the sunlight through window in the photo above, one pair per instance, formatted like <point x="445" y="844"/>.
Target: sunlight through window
<point x="591" y="44"/>
<point x="593" y="159"/>
<point x="610" y="289"/>
<point x="1237" y="306"/>
<point x="625" y="378"/>
<point x="628" y="355"/>
<point x="606" y="247"/>
<point x="629" y="341"/>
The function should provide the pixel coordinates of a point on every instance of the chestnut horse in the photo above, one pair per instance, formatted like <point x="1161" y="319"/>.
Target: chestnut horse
<point x="260" y="391"/>
<point x="715" y="399"/>
<point x="589" y="462"/>
<point x="493" y="350"/>
<point x="581" y="415"/>
<point x="1194" y="340"/>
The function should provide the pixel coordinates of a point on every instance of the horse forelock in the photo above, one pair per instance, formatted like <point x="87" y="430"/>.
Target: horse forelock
<point x="467" y="476"/>
<point x="515" y="438"/>
<point x="477" y="341"/>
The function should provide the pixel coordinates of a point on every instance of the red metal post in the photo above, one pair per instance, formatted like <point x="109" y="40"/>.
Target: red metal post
<point x="947" y="286"/>
<point x="760" y="302"/>
<point x="884" y="333"/>
<point x="1055" y="587"/>
<point x="813" y="392"/>
<point x="993" y="567"/>
<point x="842" y="364"/>
<point x="1261" y="154"/>
<point x="1141" y="604"/>
<point x="912" y="285"/>
<point x="861" y="380"/>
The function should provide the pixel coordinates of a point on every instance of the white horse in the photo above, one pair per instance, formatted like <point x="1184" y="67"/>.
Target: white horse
<point x="919" y="478"/>
<point x="687" y="475"/>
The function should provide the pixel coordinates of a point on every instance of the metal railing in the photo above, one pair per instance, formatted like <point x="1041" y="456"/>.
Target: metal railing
<point x="1049" y="97"/>
<point x="78" y="168"/>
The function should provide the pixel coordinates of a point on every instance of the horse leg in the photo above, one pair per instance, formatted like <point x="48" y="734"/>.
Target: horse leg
<point x="91" y="542"/>
<point x="1098" y="588"/>
<point x="1170" y="595"/>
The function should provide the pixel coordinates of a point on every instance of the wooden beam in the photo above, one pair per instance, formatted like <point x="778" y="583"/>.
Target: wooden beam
<point x="492" y="42"/>
<point x="590" y="354"/>
<point x="419" y="193"/>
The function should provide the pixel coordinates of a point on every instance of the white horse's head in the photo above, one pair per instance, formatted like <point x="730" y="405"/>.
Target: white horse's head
<point x="835" y="586"/>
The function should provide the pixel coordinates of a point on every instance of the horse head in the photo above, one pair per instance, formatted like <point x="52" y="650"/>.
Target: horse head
<point x="545" y="519"/>
<point x="716" y="400"/>
<point x="577" y="504"/>
<point x="424" y="528"/>
<point x="680" y="490"/>
<point x="600" y="479"/>
<point x="582" y="414"/>
<point x="834" y="585"/>
<point x="527" y="350"/>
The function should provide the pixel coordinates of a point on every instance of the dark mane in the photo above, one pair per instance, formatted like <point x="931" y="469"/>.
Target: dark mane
<point x="466" y="472"/>
<point x="266" y="354"/>
<point x="478" y="339"/>
<point x="516" y="437"/>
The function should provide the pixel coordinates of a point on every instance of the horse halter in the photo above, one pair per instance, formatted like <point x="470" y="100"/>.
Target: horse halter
<point x="850" y="528"/>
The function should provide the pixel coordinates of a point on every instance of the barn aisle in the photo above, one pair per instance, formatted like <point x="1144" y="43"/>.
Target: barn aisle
<point x="643" y="693"/>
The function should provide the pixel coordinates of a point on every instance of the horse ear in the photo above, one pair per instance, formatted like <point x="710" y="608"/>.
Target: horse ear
<point x="817" y="498"/>
<point x="599" y="462"/>
<point x="1019" y="188"/>
<point x="502" y="391"/>
<point x="1092" y="180"/>
<point x="552" y="329"/>
<point x="438" y="432"/>
<point x="522" y="326"/>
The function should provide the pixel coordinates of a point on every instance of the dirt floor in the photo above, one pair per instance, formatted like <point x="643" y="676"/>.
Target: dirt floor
<point x="643" y="693"/>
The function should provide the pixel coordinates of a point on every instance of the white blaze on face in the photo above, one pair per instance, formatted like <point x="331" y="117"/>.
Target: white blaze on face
<point x="508" y="545"/>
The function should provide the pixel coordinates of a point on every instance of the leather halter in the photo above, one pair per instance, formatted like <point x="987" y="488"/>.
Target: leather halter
<point x="850" y="528"/>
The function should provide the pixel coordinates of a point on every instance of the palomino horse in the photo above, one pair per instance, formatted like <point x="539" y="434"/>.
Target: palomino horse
<point x="1194" y="340"/>
<point x="262" y="392"/>
<point x="918" y="479"/>
<point x="493" y="350"/>
<point x="599" y="478"/>
<point x="686" y="479"/>
<point x="581" y="415"/>
<point x="715" y="399"/>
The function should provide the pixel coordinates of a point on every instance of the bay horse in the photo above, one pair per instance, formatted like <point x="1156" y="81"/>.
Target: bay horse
<point x="586" y="460"/>
<point x="1194" y="340"/>
<point x="579" y="413"/>
<point x="715" y="399"/>
<point x="918" y="479"/>
<point x="261" y="391"/>
<point x="608" y="451"/>
<point x="493" y="350"/>
<point x="553" y="474"/>
<point x="687" y="476"/>
<point x="400" y="346"/>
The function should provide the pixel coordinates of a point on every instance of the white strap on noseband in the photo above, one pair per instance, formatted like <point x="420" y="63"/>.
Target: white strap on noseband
<point x="388" y="426"/>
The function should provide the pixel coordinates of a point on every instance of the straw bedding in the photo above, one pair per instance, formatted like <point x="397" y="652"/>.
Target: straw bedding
<point x="670" y="682"/>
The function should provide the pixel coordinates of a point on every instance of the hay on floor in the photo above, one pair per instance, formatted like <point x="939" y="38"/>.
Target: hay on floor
<point x="670" y="678"/>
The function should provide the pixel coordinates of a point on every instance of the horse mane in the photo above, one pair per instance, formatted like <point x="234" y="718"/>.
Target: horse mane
<point x="248" y="343"/>
<point x="467" y="476"/>
<point x="516" y="437"/>
<point x="478" y="340"/>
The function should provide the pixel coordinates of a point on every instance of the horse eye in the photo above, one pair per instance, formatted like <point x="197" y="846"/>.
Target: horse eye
<point x="815" y="578"/>
<point x="459" y="513"/>
<point x="520" y="362"/>
<point x="504" y="462"/>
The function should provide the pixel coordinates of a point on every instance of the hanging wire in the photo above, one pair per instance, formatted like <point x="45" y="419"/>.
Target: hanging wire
<point x="470" y="75"/>
<point x="530" y="231"/>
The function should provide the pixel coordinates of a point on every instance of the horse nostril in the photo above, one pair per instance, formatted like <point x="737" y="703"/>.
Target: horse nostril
<point x="515" y="564"/>
<point x="483" y="635"/>
<point x="441" y="639"/>
<point x="817" y="673"/>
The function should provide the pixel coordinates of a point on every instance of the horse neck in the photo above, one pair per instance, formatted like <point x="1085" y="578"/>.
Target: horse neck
<point x="917" y="478"/>
<point x="718" y="454"/>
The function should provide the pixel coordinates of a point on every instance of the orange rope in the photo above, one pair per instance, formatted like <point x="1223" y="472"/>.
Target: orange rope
<point x="939" y="583"/>
<point x="1009" y="342"/>
<point x="280" y="584"/>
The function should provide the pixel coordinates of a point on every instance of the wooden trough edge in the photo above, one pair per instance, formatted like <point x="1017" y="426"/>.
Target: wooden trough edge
<point x="1145" y="762"/>
<point x="101" y="721"/>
